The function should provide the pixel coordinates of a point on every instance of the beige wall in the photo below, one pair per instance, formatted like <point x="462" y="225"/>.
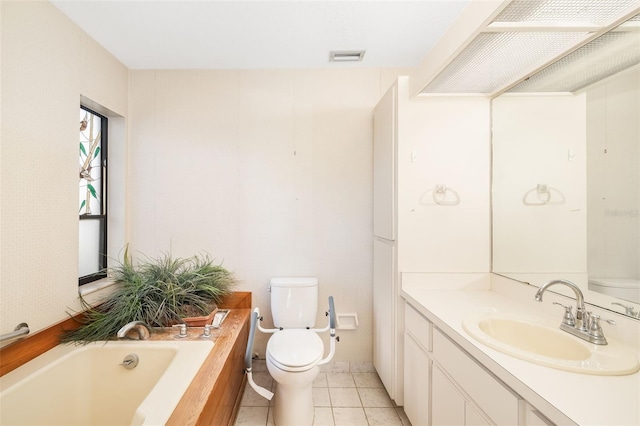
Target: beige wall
<point x="267" y="171"/>
<point x="613" y="156"/>
<point x="444" y="141"/>
<point x="47" y="64"/>
<point x="539" y="139"/>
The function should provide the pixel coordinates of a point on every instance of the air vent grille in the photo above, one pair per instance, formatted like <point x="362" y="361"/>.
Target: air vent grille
<point x="346" y="55"/>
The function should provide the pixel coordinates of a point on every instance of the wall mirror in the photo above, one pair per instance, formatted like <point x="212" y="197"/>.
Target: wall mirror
<point x="566" y="173"/>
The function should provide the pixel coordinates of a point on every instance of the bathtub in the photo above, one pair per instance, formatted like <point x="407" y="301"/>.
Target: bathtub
<point x="88" y="385"/>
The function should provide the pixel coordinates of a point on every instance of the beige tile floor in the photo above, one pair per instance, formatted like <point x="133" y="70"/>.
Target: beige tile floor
<point x="344" y="394"/>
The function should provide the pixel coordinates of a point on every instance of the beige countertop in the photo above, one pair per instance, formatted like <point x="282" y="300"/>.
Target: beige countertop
<point x="565" y="397"/>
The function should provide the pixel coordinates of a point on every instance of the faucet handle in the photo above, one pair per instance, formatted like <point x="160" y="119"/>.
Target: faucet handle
<point x="594" y="327"/>
<point x="628" y="309"/>
<point x="183" y="330"/>
<point x="595" y="330"/>
<point x="568" y="318"/>
<point x="206" y="331"/>
<point x="596" y="318"/>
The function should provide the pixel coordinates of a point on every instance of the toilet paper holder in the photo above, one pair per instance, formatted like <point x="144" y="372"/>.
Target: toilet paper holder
<point x="347" y="321"/>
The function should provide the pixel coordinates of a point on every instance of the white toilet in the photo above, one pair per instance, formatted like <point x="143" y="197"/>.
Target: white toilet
<point x="295" y="350"/>
<point x="622" y="288"/>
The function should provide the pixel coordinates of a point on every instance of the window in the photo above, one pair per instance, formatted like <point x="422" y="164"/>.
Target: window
<point x="92" y="196"/>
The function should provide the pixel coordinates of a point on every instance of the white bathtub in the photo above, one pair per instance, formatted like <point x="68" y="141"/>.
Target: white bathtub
<point x="87" y="385"/>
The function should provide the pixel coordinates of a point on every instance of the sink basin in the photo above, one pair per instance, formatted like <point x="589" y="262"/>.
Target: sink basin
<point x="529" y="339"/>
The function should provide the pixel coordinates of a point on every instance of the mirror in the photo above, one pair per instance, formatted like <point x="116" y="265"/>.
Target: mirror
<point x="566" y="188"/>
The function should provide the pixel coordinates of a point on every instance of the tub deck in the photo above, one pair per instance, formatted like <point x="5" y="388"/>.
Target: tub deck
<point x="213" y="398"/>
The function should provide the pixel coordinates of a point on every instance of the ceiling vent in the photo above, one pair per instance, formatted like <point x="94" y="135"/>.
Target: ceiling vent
<point x="346" y="55"/>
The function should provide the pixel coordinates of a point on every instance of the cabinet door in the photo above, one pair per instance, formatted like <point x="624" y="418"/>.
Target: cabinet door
<point x="473" y="417"/>
<point x="447" y="405"/>
<point x="417" y="370"/>
<point x="384" y="320"/>
<point x="384" y="166"/>
<point x="533" y="417"/>
<point x="497" y="401"/>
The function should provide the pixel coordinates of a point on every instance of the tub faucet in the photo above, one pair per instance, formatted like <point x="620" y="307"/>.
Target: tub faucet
<point x="144" y="331"/>
<point x="586" y="326"/>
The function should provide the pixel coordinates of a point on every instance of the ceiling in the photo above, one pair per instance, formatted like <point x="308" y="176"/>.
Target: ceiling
<point x="239" y="34"/>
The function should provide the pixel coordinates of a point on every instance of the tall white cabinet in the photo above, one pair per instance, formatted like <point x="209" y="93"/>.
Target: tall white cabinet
<point x="386" y="299"/>
<point x="431" y="205"/>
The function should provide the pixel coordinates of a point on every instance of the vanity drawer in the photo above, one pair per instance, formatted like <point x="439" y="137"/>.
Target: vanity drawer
<point x="418" y="326"/>
<point x="496" y="400"/>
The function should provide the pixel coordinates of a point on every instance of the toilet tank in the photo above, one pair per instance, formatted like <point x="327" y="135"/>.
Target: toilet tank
<point x="294" y="301"/>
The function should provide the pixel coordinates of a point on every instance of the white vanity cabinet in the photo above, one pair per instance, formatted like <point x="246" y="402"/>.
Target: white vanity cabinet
<point x="532" y="417"/>
<point x="450" y="407"/>
<point x="495" y="401"/>
<point x="447" y="402"/>
<point x="446" y="386"/>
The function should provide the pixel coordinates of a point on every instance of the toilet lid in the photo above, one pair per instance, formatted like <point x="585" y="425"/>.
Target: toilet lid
<point x="295" y="347"/>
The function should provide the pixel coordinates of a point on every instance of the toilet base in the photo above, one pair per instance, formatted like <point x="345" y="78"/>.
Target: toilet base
<point x="293" y="405"/>
<point x="293" y="395"/>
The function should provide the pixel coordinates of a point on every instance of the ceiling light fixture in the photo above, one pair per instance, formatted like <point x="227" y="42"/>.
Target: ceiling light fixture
<point x="346" y="55"/>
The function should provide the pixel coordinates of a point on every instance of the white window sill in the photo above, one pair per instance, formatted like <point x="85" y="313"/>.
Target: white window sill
<point x="95" y="286"/>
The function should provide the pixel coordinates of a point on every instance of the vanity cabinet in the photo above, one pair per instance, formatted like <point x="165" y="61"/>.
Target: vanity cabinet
<point x="450" y="407"/>
<point x="446" y="386"/>
<point x="498" y="403"/>
<point x="533" y="417"/>
<point x="448" y="404"/>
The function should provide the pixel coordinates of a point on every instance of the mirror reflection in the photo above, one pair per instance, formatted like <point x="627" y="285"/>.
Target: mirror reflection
<point x="566" y="188"/>
<point x="613" y="186"/>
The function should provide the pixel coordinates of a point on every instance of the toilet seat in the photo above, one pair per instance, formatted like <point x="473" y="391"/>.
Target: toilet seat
<point x="295" y="349"/>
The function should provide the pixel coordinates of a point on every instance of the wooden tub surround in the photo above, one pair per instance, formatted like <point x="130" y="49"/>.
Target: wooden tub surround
<point x="213" y="398"/>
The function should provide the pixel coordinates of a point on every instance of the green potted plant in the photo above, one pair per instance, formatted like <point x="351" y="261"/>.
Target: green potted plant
<point x="160" y="292"/>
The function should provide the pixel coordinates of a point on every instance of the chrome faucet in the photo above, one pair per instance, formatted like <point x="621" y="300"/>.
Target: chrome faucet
<point x="584" y="325"/>
<point x="580" y="310"/>
<point x="144" y="331"/>
<point x="628" y="310"/>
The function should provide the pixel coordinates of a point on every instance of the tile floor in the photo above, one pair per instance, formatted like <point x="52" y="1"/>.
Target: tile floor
<point x="344" y="394"/>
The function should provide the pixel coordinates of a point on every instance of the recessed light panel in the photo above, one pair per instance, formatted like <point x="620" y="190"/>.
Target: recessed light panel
<point x="605" y="56"/>
<point x="578" y="11"/>
<point x="491" y="60"/>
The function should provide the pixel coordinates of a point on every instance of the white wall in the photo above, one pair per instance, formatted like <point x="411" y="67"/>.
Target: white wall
<point x="613" y="135"/>
<point x="267" y="171"/>
<point x="48" y="63"/>
<point x="444" y="141"/>
<point x="539" y="139"/>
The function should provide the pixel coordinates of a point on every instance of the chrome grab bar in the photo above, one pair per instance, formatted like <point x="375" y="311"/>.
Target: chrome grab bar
<point x="20" y="331"/>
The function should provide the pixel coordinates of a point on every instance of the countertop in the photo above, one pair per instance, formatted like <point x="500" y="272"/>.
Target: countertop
<point x="565" y="397"/>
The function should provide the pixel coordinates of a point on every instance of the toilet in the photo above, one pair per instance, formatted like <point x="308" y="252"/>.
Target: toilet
<point x="622" y="288"/>
<point x="295" y="351"/>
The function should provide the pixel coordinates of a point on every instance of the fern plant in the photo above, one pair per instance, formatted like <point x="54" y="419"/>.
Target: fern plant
<point x="158" y="292"/>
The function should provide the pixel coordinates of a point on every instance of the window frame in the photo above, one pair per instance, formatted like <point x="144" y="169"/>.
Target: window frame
<point x="103" y="217"/>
